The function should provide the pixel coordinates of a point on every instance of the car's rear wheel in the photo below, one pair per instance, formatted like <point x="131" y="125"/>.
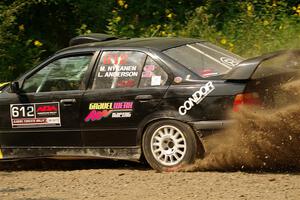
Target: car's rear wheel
<point x="168" y="144"/>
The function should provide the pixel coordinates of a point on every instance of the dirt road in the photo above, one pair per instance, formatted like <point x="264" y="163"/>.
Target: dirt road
<point x="123" y="180"/>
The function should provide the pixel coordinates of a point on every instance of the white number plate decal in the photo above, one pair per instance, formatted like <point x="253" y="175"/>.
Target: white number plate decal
<point x="35" y="115"/>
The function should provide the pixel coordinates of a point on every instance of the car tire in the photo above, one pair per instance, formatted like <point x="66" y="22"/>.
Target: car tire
<point x="168" y="144"/>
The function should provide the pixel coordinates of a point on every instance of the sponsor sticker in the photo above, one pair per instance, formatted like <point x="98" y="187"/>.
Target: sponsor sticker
<point x="155" y="80"/>
<point x="102" y="110"/>
<point x="148" y="71"/>
<point x="229" y="61"/>
<point x="196" y="98"/>
<point x="178" y="79"/>
<point x="115" y="65"/>
<point x="35" y="115"/>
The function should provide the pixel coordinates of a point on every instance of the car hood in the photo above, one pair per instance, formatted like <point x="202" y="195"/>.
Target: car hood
<point x="286" y="61"/>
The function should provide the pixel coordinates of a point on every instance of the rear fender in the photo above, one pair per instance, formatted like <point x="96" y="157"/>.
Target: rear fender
<point x="167" y="115"/>
<point x="159" y="115"/>
<point x="265" y="75"/>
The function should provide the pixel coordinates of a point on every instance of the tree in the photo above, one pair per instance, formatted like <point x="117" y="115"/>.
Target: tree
<point x="31" y="30"/>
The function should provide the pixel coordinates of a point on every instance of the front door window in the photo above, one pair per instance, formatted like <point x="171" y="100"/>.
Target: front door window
<point x="61" y="75"/>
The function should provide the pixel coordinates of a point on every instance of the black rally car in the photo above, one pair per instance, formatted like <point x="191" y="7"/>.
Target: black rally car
<point x="105" y="97"/>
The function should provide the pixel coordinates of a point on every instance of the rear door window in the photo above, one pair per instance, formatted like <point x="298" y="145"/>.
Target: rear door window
<point x="153" y="74"/>
<point x="119" y="69"/>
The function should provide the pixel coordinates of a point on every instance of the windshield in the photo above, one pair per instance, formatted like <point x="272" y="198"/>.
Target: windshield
<point x="204" y="59"/>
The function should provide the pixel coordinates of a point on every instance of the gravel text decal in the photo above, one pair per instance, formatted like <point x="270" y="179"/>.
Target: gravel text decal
<point x="102" y="110"/>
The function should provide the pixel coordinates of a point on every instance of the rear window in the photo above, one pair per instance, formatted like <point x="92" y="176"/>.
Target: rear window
<point x="204" y="59"/>
<point x="119" y="69"/>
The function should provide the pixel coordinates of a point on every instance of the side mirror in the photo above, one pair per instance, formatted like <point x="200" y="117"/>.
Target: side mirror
<point x="15" y="87"/>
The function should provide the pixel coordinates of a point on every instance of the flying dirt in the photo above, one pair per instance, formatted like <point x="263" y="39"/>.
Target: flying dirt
<point x="263" y="138"/>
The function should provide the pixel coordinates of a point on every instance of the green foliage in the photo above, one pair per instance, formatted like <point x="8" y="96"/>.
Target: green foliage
<point x="248" y="28"/>
<point x="15" y="50"/>
<point x="149" y="18"/>
<point x="31" y="30"/>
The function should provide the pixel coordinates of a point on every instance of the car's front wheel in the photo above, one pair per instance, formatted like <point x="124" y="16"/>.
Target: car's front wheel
<point x="169" y="143"/>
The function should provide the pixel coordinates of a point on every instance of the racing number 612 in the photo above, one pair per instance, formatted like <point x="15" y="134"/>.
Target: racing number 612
<point x="22" y="111"/>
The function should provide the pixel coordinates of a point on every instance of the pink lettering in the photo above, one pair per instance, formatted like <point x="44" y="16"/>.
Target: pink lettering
<point x="118" y="105"/>
<point x="97" y="115"/>
<point x="123" y="105"/>
<point x="128" y="105"/>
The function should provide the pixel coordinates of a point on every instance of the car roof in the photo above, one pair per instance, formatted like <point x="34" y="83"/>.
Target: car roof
<point x="159" y="44"/>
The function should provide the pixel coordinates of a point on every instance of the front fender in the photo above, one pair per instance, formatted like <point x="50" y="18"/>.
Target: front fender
<point x="2" y="86"/>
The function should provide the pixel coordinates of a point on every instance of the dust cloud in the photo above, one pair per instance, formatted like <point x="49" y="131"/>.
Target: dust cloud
<point x="262" y="139"/>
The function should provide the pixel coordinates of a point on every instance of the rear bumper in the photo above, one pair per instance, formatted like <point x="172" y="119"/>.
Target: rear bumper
<point x="204" y="128"/>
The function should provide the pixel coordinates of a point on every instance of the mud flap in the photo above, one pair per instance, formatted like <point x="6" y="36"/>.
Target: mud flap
<point x="1" y="155"/>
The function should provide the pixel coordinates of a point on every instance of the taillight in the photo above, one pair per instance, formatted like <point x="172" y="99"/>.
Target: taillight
<point x="246" y="99"/>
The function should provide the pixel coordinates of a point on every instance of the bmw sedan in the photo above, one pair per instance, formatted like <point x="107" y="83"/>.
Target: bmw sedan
<point x="152" y="98"/>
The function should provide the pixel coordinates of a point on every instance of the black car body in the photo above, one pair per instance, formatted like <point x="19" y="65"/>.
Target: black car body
<point x="124" y="98"/>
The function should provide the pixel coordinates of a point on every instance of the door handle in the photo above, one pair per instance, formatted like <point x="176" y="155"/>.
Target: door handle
<point x="143" y="97"/>
<point x="68" y="102"/>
